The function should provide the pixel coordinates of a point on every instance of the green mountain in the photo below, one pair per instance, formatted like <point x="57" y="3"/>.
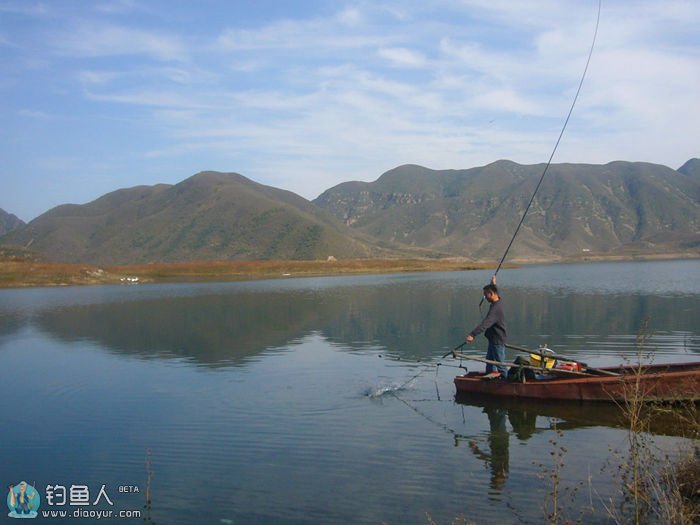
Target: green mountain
<point x="9" y="222"/>
<point x="619" y="208"/>
<point x="579" y="208"/>
<point x="222" y="216"/>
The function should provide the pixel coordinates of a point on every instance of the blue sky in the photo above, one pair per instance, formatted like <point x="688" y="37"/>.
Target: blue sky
<point x="97" y="96"/>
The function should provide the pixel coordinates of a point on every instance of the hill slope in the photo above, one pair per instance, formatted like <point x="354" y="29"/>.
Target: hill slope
<point x="474" y="212"/>
<point x="9" y="222"/>
<point x="211" y="215"/>
<point x="691" y="168"/>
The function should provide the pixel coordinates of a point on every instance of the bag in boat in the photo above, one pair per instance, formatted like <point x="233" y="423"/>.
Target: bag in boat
<point x="521" y="373"/>
<point x="536" y="360"/>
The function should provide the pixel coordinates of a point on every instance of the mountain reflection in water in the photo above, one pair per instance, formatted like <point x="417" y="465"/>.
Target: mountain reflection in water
<point x="319" y="400"/>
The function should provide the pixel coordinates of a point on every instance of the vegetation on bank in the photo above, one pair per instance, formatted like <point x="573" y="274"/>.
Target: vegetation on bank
<point x="20" y="267"/>
<point x="654" y="487"/>
<point x="24" y="272"/>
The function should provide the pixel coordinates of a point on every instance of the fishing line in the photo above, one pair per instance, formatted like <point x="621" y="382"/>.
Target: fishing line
<point x="532" y="199"/>
<point x="556" y="145"/>
<point x="443" y="426"/>
<point x="425" y="369"/>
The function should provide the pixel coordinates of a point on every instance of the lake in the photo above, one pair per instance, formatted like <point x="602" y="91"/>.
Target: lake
<point x="320" y="400"/>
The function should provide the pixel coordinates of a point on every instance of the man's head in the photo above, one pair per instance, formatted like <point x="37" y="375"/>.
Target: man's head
<point x="491" y="293"/>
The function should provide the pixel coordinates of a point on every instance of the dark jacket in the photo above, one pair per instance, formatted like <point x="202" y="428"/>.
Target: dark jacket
<point x="494" y="323"/>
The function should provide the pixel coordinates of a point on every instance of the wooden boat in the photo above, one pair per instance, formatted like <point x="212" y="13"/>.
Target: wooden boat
<point x="659" y="382"/>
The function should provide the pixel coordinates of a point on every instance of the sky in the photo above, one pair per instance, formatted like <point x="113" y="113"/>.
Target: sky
<point x="303" y="95"/>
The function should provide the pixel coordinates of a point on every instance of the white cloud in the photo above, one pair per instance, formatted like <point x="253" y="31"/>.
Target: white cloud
<point x="152" y="98"/>
<point x="317" y="35"/>
<point x="310" y="101"/>
<point x="506" y="100"/>
<point x="350" y="16"/>
<point x="116" y="7"/>
<point x="32" y="113"/>
<point x="97" y="77"/>
<point x="24" y="9"/>
<point x="100" y="40"/>
<point x="403" y="57"/>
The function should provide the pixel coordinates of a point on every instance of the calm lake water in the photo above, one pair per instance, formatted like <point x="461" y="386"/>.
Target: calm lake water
<point x="319" y="400"/>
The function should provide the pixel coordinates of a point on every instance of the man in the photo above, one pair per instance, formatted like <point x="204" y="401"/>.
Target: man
<point x="21" y="503"/>
<point x="494" y="328"/>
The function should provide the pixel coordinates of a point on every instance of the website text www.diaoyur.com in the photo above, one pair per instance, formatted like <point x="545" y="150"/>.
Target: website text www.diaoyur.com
<point x="91" y="513"/>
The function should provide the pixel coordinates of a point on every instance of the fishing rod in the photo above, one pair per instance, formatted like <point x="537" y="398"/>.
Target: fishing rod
<point x="544" y="171"/>
<point x="556" y="145"/>
<point x="538" y="368"/>
<point x="455" y="352"/>
<point x="551" y="355"/>
<point x="455" y="349"/>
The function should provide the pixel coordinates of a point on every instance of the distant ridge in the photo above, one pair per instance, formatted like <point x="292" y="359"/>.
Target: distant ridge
<point x="209" y="216"/>
<point x="580" y="208"/>
<point x="9" y="222"/>
<point x="691" y="168"/>
<point x="620" y="208"/>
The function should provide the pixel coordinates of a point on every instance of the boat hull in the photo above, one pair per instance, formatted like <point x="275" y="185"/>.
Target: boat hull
<point x="668" y="382"/>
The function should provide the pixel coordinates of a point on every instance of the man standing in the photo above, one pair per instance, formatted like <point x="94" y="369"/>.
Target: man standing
<point x="494" y="325"/>
<point x="21" y="503"/>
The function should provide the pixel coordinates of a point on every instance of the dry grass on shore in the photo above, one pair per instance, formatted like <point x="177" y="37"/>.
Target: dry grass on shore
<point x="26" y="273"/>
<point x="18" y="274"/>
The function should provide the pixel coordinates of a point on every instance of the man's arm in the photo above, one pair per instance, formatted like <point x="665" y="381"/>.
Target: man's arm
<point x="490" y="319"/>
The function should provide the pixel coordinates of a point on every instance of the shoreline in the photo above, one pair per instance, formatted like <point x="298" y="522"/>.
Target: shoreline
<point x="30" y="274"/>
<point x="21" y="273"/>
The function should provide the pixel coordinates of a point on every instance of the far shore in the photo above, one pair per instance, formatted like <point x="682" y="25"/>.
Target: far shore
<point x="20" y="273"/>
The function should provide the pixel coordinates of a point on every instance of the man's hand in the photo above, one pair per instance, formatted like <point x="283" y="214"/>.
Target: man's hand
<point x="470" y="338"/>
<point x="493" y="279"/>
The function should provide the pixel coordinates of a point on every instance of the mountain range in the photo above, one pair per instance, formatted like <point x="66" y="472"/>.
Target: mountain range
<point x="578" y="207"/>
<point x="410" y="211"/>
<point x="209" y="216"/>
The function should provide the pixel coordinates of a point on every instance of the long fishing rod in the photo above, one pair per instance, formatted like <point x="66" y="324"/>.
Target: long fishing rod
<point x="546" y="168"/>
<point x="454" y="351"/>
<point x="556" y="145"/>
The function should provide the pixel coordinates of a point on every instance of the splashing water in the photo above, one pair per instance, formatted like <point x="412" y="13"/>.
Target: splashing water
<point x="379" y="391"/>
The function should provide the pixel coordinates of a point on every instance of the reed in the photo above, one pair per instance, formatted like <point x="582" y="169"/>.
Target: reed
<point x="459" y="520"/>
<point x="148" y="498"/>
<point x="656" y="487"/>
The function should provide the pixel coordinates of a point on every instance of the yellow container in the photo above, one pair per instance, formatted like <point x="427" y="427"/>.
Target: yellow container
<point x="536" y="360"/>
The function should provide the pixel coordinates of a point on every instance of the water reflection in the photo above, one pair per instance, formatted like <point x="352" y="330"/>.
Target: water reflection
<point x="414" y="322"/>
<point x="269" y="399"/>
<point x="218" y="329"/>
<point x="522" y="415"/>
<point x="498" y="444"/>
<point x="507" y="423"/>
<point x="11" y="323"/>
